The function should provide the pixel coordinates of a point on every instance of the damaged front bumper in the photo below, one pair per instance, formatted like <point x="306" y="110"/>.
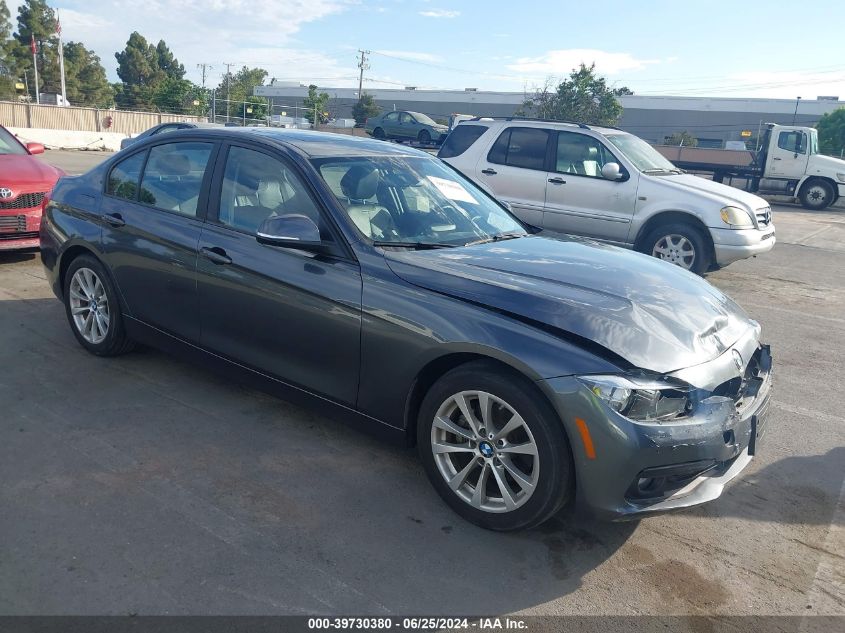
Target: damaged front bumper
<point x="637" y="468"/>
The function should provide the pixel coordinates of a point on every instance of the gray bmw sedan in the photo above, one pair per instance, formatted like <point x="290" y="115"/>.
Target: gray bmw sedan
<point x="534" y="373"/>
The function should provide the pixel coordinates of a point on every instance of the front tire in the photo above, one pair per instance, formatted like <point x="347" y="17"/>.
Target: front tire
<point x="493" y="449"/>
<point x="424" y="137"/>
<point x="92" y="308"/>
<point x="681" y="244"/>
<point x="816" y="195"/>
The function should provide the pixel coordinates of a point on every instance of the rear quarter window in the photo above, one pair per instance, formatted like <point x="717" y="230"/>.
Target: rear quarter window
<point x="124" y="176"/>
<point x="461" y="139"/>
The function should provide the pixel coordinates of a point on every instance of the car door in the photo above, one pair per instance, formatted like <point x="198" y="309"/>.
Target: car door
<point x="289" y="313"/>
<point x="579" y="199"/>
<point x="788" y="159"/>
<point x="153" y="209"/>
<point x="390" y="122"/>
<point x="515" y="170"/>
<point x="408" y="126"/>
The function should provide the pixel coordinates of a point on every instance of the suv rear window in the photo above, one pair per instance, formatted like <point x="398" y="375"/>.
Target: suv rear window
<point x="520" y="147"/>
<point x="460" y="140"/>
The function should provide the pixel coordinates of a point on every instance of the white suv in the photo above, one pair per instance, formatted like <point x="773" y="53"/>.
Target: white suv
<point x="606" y="184"/>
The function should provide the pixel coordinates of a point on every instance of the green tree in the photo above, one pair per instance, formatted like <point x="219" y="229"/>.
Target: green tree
<point x="37" y="20"/>
<point x="316" y="102"/>
<point x="239" y="88"/>
<point x="7" y="64"/>
<point x="583" y="97"/>
<point x="364" y="109"/>
<point x="168" y="63"/>
<point x="681" y="138"/>
<point x="85" y="78"/>
<point x="180" y="96"/>
<point x="831" y="129"/>
<point x="144" y="70"/>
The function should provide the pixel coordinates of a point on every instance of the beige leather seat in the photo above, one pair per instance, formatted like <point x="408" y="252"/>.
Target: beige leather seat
<point x="360" y="185"/>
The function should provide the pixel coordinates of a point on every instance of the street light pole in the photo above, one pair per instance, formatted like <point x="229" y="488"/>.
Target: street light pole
<point x="795" y="114"/>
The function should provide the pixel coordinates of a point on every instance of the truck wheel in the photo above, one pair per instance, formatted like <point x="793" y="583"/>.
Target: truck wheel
<point x="680" y="244"/>
<point x="816" y="194"/>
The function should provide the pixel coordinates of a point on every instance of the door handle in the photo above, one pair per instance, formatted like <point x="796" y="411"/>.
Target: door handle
<point x="115" y="219"/>
<point x="776" y="158"/>
<point x="216" y="255"/>
<point x="489" y="172"/>
<point x="557" y="181"/>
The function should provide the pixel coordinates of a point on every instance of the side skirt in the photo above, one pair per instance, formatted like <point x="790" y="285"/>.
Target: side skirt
<point x="148" y="335"/>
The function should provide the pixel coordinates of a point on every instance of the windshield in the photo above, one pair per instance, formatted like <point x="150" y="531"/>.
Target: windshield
<point x="643" y="155"/>
<point x="9" y="144"/>
<point x="414" y="201"/>
<point x="421" y="118"/>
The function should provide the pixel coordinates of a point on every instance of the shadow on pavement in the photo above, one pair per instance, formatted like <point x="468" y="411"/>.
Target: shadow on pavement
<point x="794" y="490"/>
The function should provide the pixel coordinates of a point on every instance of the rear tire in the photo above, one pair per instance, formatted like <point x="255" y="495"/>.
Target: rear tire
<point x="679" y="243"/>
<point x="514" y="441"/>
<point x="816" y="194"/>
<point x="93" y="309"/>
<point x="379" y="133"/>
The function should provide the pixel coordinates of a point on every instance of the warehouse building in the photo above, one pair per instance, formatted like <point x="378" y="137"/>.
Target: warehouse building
<point x="713" y="121"/>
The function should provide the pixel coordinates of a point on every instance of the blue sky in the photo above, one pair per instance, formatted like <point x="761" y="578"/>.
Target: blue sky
<point x="748" y="48"/>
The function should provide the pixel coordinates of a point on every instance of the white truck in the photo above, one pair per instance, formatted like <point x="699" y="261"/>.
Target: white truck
<point x="788" y="163"/>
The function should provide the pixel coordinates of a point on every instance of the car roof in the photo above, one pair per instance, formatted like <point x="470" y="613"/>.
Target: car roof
<point x="542" y="123"/>
<point x="311" y="143"/>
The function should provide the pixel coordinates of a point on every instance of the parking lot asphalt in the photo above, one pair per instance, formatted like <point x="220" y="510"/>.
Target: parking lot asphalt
<point x="142" y="484"/>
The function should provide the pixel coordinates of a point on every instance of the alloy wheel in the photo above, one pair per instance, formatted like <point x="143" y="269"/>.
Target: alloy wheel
<point x="89" y="306"/>
<point x="485" y="451"/>
<point x="675" y="249"/>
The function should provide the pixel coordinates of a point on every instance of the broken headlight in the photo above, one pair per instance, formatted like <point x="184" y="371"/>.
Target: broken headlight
<point x="642" y="400"/>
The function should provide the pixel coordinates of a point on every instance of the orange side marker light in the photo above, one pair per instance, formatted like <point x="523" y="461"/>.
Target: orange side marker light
<point x="589" y="449"/>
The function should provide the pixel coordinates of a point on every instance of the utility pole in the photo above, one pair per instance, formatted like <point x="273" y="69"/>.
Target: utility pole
<point x="203" y="67"/>
<point x="362" y="66"/>
<point x="228" y="82"/>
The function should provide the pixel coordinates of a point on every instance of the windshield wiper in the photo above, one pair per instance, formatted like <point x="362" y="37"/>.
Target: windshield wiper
<point x="419" y="246"/>
<point x="659" y="170"/>
<point x="497" y="238"/>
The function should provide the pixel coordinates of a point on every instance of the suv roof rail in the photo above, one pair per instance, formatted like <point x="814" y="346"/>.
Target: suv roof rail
<point x="580" y="124"/>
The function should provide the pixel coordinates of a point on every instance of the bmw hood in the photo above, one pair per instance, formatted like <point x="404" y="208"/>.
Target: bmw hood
<point x="654" y="315"/>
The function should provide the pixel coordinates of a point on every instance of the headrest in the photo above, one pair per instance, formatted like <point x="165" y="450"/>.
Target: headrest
<point x="172" y="164"/>
<point x="360" y="182"/>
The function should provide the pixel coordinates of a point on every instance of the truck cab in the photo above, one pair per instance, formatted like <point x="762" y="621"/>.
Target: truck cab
<point x="792" y="164"/>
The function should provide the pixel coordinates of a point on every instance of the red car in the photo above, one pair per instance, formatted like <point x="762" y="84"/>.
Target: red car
<point x="24" y="181"/>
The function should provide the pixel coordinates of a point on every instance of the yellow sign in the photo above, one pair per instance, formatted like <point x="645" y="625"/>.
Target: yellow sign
<point x="20" y="86"/>
<point x="745" y="133"/>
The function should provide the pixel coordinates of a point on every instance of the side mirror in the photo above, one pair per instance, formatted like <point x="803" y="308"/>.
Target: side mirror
<point x="611" y="171"/>
<point x="291" y="231"/>
<point x="35" y="148"/>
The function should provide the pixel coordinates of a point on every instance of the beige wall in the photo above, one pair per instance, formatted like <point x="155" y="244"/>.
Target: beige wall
<point x="28" y="115"/>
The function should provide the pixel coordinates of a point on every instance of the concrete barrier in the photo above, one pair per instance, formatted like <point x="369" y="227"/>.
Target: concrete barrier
<point x="69" y="139"/>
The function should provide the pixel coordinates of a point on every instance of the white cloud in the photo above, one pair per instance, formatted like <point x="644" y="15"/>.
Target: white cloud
<point x="562" y="62"/>
<point x="440" y="13"/>
<point x="420" y="57"/>
<point x="252" y="32"/>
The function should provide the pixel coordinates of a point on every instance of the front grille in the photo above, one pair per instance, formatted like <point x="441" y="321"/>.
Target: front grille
<point x="24" y="201"/>
<point x="12" y="223"/>
<point x="764" y="217"/>
<point x="5" y="237"/>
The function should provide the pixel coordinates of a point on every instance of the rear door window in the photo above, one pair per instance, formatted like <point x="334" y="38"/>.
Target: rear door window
<point x="124" y="176"/>
<point x="461" y="139"/>
<point x="173" y="176"/>
<point x="521" y="147"/>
